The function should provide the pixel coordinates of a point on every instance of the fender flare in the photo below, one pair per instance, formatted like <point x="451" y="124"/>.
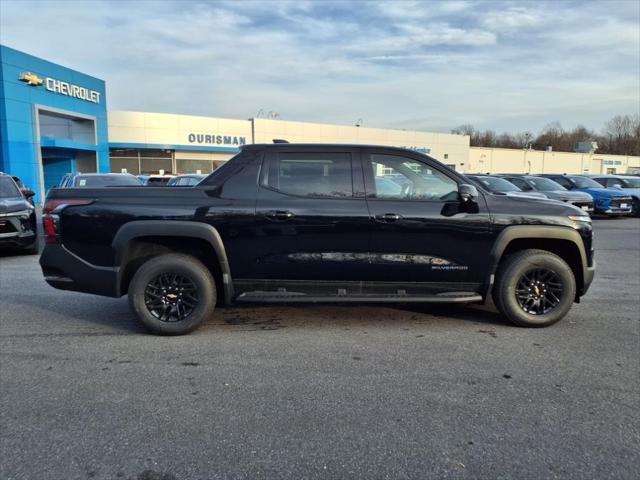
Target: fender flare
<point x="543" y="232"/>
<point x="173" y="228"/>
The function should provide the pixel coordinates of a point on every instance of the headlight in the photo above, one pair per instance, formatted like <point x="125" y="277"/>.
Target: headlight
<point x="580" y="218"/>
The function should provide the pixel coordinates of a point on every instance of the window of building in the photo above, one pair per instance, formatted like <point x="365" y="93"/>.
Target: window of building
<point x="311" y="174"/>
<point x="141" y="161"/>
<point x="401" y="178"/>
<point x="194" y="166"/>
<point x="60" y="126"/>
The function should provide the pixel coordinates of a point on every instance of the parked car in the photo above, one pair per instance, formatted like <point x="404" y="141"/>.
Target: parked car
<point x="606" y="201"/>
<point x="553" y="190"/>
<point x="629" y="184"/>
<point x="155" y="180"/>
<point x="306" y="223"/>
<point x="26" y="191"/>
<point x="188" y="180"/>
<point x="95" y="180"/>
<point x="497" y="185"/>
<point x="17" y="217"/>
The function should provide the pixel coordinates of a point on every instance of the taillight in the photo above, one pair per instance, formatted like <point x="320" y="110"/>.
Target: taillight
<point x="51" y="205"/>
<point x="51" y="215"/>
<point x="51" y="222"/>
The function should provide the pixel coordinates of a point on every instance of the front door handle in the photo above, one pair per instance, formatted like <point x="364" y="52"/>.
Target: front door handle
<point x="279" y="215"/>
<point x="389" y="217"/>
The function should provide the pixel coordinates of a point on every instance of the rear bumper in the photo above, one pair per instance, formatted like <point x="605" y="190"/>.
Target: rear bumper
<point x="66" y="271"/>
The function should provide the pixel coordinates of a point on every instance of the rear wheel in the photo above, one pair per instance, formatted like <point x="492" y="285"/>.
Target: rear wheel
<point x="534" y="288"/>
<point x="172" y="294"/>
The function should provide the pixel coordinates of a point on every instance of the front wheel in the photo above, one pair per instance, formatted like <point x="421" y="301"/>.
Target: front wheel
<point x="534" y="288"/>
<point x="172" y="294"/>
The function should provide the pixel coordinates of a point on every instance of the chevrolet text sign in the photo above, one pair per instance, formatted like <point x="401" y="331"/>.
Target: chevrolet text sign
<point x="63" y="88"/>
<point x="71" y="90"/>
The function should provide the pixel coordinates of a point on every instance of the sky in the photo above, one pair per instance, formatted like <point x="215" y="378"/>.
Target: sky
<point x="415" y="65"/>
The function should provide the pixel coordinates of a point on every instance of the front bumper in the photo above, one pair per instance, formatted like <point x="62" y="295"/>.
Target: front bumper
<point x="64" y="270"/>
<point x="16" y="231"/>
<point x="588" y="274"/>
<point x="614" y="206"/>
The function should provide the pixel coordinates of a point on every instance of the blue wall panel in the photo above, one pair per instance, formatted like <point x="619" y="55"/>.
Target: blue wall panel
<point x="19" y="142"/>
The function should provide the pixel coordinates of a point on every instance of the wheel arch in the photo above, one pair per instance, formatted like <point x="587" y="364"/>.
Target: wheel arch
<point x="563" y="241"/>
<point x="137" y="241"/>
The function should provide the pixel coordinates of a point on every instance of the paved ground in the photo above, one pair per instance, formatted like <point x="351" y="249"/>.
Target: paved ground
<point x="322" y="392"/>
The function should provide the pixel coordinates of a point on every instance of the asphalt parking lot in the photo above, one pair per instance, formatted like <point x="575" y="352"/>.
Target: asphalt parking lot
<point x="322" y="391"/>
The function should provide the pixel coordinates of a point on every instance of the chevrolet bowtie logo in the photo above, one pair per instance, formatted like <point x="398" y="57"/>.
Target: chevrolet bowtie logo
<point x="31" y="79"/>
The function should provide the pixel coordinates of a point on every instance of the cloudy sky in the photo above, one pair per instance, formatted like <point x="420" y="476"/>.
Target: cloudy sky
<point x="414" y="65"/>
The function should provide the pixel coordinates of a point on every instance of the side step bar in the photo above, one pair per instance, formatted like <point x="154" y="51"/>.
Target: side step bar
<point x="293" y="297"/>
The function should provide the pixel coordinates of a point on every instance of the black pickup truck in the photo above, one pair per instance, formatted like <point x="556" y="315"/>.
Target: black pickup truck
<point x="318" y="223"/>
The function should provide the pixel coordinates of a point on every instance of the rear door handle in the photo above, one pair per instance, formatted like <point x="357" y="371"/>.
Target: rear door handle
<point x="279" y="215"/>
<point x="389" y="217"/>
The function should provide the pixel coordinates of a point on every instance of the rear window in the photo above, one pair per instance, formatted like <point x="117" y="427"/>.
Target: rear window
<point x="8" y="188"/>
<point x="158" y="181"/>
<point x="106" y="181"/>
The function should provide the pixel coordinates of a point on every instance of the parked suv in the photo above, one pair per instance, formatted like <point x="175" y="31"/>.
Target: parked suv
<point x="553" y="190"/>
<point x="605" y="200"/>
<point x="626" y="184"/>
<point x="17" y="217"/>
<point x="307" y="223"/>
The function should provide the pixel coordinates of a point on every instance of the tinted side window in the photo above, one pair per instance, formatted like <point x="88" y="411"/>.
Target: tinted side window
<point x="564" y="182"/>
<point x="612" y="181"/>
<point x="520" y="183"/>
<point x="311" y="174"/>
<point x="401" y="178"/>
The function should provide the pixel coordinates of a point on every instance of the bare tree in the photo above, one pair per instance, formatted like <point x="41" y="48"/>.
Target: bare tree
<point x="621" y="136"/>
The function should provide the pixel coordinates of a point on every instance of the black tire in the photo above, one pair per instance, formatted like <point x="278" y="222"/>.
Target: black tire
<point x="528" y="283"/>
<point x="635" y="209"/>
<point x="172" y="313"/>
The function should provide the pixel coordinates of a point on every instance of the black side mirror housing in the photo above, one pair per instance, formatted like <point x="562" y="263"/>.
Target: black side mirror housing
<point x="28" y="193"/>
<point x="468" y="193"/>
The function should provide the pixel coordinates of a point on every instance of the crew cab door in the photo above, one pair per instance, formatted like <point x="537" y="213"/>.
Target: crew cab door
<point x="311" y="217"/>
<point x="422" y="232"/>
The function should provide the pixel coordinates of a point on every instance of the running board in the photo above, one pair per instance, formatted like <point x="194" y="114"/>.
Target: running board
<point x="294" y="297"/>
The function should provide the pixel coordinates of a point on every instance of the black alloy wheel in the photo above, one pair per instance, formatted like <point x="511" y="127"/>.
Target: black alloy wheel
<point x="171" y="297"/>
<point x="539" y="291"/>
<point x="534" y="288"/>
<point x="172" y="294"/>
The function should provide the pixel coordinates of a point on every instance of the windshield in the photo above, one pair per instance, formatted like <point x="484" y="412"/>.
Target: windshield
<point x="495" y="184"/>
<point x="8" y="188"/>
<point x="106" y="181"/>
<point x="545" y="184"/>
<point x="630" y="182"/>
<point x="584" y="182"/>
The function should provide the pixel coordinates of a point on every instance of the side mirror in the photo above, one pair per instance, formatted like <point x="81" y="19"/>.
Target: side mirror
<point x="468" y="193"/>
<point x="617" y="186"/>
<point x="28" y="193"/>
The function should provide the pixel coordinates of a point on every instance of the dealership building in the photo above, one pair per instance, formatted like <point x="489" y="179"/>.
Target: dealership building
<point x="54" y="120"/>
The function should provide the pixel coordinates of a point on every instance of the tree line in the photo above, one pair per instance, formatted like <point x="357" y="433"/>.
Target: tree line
<point x="619" y="136"/>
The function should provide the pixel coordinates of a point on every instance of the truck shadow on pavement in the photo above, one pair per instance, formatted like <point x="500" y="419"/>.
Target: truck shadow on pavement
<point x="113" y="317"/>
